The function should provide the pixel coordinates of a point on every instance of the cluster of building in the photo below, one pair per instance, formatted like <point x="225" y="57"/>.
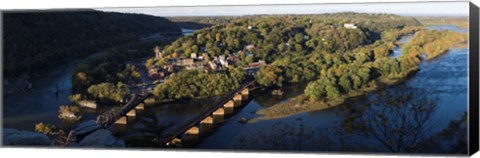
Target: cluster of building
<point x="197" y="61"/>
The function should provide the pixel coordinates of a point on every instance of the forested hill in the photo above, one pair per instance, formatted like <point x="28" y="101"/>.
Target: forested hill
<point x="36" y="40"/>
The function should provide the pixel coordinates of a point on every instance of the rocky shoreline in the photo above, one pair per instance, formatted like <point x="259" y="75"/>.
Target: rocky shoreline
<point x="88" y="134"/>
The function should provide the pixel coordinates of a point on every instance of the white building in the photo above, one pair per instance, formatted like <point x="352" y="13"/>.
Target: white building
<point x="350" y="26"/>
<point x="224" y="62"/>
<point x="193" y="55"/>
<point x="250" y="46"/>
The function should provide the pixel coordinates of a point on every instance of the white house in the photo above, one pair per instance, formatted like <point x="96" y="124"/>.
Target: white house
<point x="193" y="55"/>
<point x="350" y="26"/>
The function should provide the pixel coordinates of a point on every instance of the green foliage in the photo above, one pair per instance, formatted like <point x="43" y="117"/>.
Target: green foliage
<point x="270" y="75"/>
<point x="47" y="129"/>
<point x="69" y="113"/>
<point x="197" y="84"/>
<point x="149" y="62"/>
<point x="136" y="76"/>
<point x="74" y="98"/>
<point x="323" y="87"/>
<point x="109" y="91"/>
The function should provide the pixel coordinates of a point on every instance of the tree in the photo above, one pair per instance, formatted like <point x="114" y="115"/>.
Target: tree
<point x="249" y="59"/>
<point x="315" y="90"/>
<point x="108" y="91"/>
<point x="345" y="83"/>
<point x="236" y="73"/>
<point x="270" y="75"/>
<point x="136" y="76"/>
<point x="332" y="91"/>
<point x="149" y="63"/>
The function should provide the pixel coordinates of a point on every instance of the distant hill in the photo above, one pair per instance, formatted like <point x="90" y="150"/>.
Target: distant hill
<point x="35" y="40"/>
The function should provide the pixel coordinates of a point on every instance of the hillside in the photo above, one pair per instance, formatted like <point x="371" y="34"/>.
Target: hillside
<point x="36" y="40"/>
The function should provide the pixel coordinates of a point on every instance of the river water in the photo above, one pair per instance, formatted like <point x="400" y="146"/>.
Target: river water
<point x="442" y="80"/>
<point x="23" y="110"/>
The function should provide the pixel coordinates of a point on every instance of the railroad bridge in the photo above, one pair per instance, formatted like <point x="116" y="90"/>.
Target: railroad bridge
<point x="204" y="123"/>
<point x="120" y="115"/>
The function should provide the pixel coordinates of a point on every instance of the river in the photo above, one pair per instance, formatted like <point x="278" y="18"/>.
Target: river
<point x="443" y="81"/>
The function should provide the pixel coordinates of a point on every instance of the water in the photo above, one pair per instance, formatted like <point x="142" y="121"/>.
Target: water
<point x="448" y="27"/>
<point x="397" y="51"/>
<point x="23" y="110"/>
<point x="442" y="81"/>
<point x="187" y="31"/>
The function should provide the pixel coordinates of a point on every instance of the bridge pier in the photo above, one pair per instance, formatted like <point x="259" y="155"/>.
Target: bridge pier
<point x="192" y="135"/>
<point x="131" y="115"/>
<point x="218" y="115"/>
<point x="175" y="142"/>
<point x="206" y="125"/>
<point x="194" y="131"/>
<point x="140" y="107"/>
<point x="245" y="92"/>
<point x="237" y="97"/>
<point x="229" y="107"/>
<point x="121" y="124"/>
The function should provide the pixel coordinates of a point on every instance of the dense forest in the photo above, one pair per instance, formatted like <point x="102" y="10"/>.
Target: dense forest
<point x="317" y="48"/>
<point x="35" y="40"/>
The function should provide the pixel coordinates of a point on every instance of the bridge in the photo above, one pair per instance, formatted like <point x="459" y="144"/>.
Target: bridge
<point x="119" y="115"/>
<point x="204" y="123"/>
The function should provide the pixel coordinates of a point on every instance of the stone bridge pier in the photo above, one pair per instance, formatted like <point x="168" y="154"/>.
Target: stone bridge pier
<point x="206" y="125"/>
<point x="123" y="122"/>
<point x="192" y="135"/>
